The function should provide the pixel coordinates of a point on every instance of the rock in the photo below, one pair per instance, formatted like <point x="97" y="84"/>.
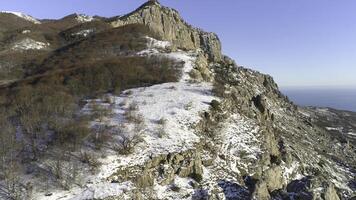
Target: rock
<point x="169" y="25"/>
<point x="146" y="179"/>
<point x="273" y="178"/>
<point x="330" y="193"/>
<point x="261" y="192"/>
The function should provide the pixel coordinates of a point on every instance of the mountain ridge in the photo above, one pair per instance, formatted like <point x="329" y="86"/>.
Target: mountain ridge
<point x="145" y="106"/>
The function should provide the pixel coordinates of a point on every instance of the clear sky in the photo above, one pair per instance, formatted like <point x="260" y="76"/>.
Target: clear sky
<point x="298" y="42"/>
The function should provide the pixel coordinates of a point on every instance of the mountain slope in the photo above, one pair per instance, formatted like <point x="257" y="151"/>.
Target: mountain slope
<point x="145" y="106"/>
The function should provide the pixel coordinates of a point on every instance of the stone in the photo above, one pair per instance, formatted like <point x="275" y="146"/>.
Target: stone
<point x="273" y="178"/>
<point x="169" y="25"/>
<point x="261" y="192"/>
<point x="330" y="193"/>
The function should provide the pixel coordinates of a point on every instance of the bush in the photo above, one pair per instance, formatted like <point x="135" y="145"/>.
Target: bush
<point x="215" y="105"/>
<point x="90" y="159"/>
<point x="162" y="121"/>
<point x="161" y="132"/>
<point x="133" y="106"/>
<point x="175" y="188"/>
<point x="133" y="117"/>
<point x="74" y="132"/>
<point x="218" y="89"/>
<point x="127" y="142"/>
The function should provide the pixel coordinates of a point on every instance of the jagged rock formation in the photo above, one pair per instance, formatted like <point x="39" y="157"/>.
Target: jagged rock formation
<point x="170" y="26"/>
<point x="220" y="131"/>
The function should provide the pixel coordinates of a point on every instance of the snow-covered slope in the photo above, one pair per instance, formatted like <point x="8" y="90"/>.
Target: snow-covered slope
<point x="29" y="44"/>
<point x="24" y="16"/>
<point x="169" y="112"/>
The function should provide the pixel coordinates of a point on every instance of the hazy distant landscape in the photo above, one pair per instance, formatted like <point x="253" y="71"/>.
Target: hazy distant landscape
<point x="339" y="98"/>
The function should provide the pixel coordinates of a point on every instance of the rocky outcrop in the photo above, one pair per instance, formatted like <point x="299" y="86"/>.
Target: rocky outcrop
<point x="162" y="169"/>
<point x="168" y="24"/>
<point x="331" y="193"/>
<point x="273" y="178"/>
<point x="261" y="192"/>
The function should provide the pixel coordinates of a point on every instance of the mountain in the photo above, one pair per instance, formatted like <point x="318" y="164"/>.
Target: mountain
<point x="146" y="106"/>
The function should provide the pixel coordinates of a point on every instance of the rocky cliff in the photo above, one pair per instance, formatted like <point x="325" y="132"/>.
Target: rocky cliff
<point x="168" y="24"/>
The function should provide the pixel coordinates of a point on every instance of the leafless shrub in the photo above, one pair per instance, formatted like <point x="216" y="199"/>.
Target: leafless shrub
<point x="107" y="99"/>
<point x="162" y="121"/>
<point x="195" y="75"/>
<point x="173" y="87"/>
<point x="161" y="132"/>
<point x="102" y="135"/>
<point x="123" y="103"/>
<point x="99" y="112"/>
<point x="133" y="117"/>
<point x="90" y="159"/>
<point x="133" y="106"/>
<point x="218" y="88"/>
<point x="128" y="93"/>
<point x="65" y="172"/>
<point x="127" y="142"/>
<point x="10" y="186"/>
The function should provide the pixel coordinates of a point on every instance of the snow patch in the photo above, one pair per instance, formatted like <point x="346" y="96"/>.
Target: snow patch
<point x="26" y="31"/>
<point x="240" y="141"/>
<point x="28" y="44"/>
<point x="104" y="190"/>
<point x="153" y="43"/>
<point x="179" y="104"/>
<point x="82" y="18"/>
<point x="153" y="47"/>
<point x="334" y="129"/>
<point x="83" y="33"/>
<point x="24" y="16"/>
<point x="289" y="173"/>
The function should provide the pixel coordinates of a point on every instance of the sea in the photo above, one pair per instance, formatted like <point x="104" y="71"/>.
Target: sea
<point x="338" y="98"/>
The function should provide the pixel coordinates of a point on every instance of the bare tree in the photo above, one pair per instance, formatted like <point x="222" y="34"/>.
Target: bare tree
<point x="10" y="186"/>
<point x="127" y="141"/>
<point x="100" y="112"/>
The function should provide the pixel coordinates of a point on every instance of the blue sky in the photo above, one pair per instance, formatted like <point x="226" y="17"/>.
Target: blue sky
<point x="298" y="42"/>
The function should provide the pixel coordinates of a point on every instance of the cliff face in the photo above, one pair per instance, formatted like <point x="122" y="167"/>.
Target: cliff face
<point x="168" y="24"/>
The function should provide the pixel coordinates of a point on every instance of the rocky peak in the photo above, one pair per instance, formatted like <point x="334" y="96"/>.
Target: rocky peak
<point x="169" y="25"/>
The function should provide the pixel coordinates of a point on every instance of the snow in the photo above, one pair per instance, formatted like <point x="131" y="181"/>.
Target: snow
<point x="334" y="129"/>
<point x="28" y="44"/>
<point x="154" y="46"/>
<point x="91" y="191"/>
<point x="83" y="33"/>
<point x="304" y="113"/>
<point x="352" y="134"/>
<point x="26" y="31"/>
<point x="165" y="192"/>
<point x="22" y="15"/>
<point x="103" y="190"/>
<point x="240" y="141"/>
<point x="82" y="18"/>
<point x="289" y="173"/>
<point x="188" y="58"/>
<point x="153" y="43"/>
<point x="180" y="104"/>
